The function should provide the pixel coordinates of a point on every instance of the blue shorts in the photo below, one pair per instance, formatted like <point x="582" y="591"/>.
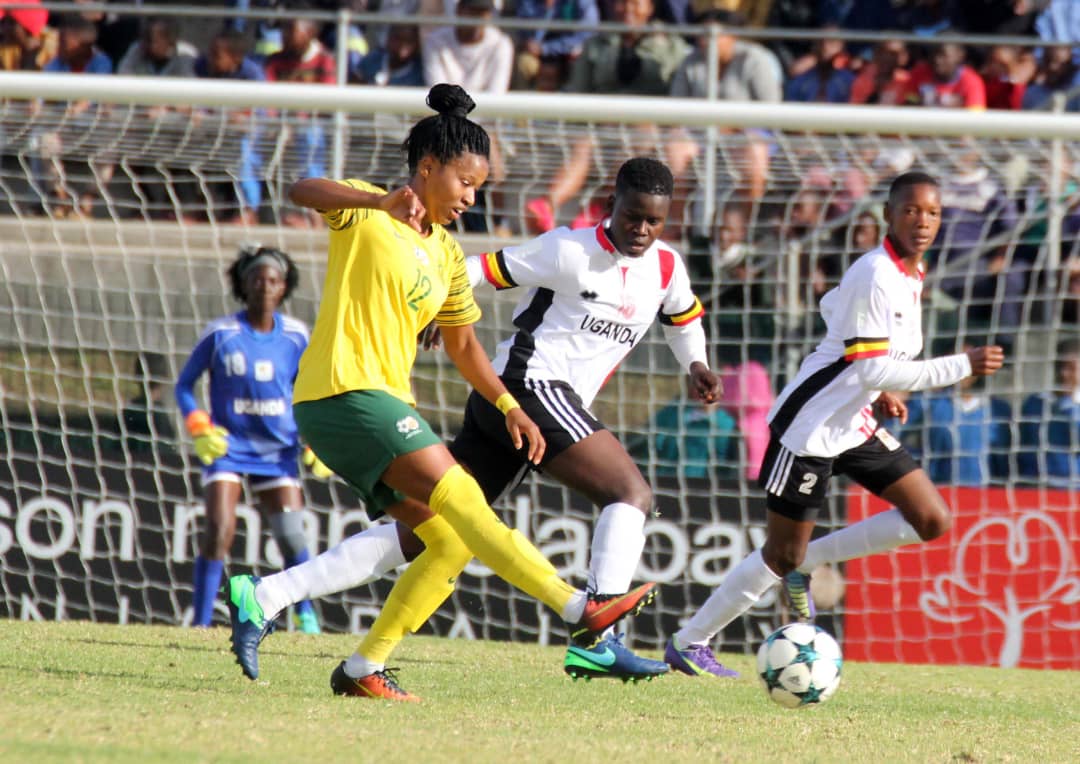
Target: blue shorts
<point x="256" y="472"/>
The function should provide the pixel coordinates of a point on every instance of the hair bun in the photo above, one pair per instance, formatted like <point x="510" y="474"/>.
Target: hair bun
<point x="450" y="100"/>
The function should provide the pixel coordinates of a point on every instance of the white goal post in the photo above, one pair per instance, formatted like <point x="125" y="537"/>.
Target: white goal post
<point x="113" y="242"/>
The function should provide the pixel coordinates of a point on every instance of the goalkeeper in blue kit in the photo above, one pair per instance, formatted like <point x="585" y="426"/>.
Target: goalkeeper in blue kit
<point x="251" y="359"/>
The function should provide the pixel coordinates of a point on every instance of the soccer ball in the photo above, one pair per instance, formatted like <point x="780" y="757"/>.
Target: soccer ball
<point x="799" y="664"/>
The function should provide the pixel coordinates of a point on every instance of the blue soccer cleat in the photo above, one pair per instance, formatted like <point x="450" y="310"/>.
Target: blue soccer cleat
<point x="611" y="658"/>
<point x="696" y="660"/>
<point x="249" y="624"/>
<point x="797" y="594"/>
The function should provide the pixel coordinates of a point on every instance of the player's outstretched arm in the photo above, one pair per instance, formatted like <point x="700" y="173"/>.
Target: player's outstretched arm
<point x="986" y="360"/>
<point x="324" y="195"/>
<point x="471" y="360"/>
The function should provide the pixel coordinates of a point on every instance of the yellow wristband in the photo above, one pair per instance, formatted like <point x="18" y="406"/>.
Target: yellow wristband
<point x="506" y="403"/>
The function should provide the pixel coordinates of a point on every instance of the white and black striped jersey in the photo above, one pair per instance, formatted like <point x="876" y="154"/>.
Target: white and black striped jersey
<point x="874" y="330"/>
<point x="587" y="306"/>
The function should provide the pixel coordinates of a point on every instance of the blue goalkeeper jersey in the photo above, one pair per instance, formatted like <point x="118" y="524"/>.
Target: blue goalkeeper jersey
<point x="251" y="387"/>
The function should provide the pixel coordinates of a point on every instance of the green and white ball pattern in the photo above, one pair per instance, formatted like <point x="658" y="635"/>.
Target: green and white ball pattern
<point x="799" y="665"/>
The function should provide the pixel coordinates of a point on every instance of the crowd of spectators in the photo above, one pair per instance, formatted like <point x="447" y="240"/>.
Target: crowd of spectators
<point x="989" y="257"/>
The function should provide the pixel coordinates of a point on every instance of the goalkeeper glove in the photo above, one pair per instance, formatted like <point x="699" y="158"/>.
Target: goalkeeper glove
<point x="211" y="441"/>
<point x="315" y="464"/>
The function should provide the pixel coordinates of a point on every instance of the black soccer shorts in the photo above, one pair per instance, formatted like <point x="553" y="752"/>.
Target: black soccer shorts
<point x="796" y="486"/>
<point x="484" y="447"/>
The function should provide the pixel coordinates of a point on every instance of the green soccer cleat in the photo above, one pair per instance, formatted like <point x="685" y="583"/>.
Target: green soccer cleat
<point x="249" y="624"/>
<point x="611" y="658"/>
<point x="797" y="594"/>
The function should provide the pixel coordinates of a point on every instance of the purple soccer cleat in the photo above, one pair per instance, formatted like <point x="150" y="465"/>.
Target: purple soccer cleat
<point x="696" y="660"/>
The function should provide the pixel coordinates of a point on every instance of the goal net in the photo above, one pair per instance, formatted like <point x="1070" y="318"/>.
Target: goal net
<point x="119" y="214"/>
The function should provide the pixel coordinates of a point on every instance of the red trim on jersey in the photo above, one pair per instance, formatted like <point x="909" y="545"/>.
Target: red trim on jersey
<point x="899" y="262"/>
<point x="603" y="240"/>
<point x="667" y="267"/>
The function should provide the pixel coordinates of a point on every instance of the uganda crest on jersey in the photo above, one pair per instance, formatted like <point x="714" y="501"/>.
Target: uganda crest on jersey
<point x="587" y="305"/>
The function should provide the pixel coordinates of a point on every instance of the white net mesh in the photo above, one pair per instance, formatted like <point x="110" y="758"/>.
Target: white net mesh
<point x="116" y="228"/>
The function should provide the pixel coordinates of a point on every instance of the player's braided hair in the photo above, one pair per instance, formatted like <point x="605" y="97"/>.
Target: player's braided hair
<point x="246" y="258"/>
<point x="909" y="179"/>
<point x="645" y="176"/>
<point x="448" y="134"/>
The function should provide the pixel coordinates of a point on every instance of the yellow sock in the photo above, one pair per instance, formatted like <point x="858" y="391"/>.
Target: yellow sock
<point x="458" y="498"/>
<point x="424" y="585"/>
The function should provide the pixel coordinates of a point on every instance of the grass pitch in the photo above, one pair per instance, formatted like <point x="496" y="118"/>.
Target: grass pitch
<point x="88" y="692"/>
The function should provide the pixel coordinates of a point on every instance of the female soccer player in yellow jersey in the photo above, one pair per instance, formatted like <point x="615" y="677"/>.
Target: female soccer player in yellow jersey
<point x="392" y="269"/>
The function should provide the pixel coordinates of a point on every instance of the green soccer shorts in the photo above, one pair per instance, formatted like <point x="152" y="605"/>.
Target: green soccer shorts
<point x="357" y="434"/>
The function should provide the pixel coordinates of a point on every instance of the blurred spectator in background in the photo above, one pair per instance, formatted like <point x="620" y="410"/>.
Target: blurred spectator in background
<point x="733" y="281"/>
<point x="946" y="81"/>
<point x="535" y="45"/>
<point x="1050" y="425"/>
<point x="826" y="78"/>
<point x="796" y="15"/>
<point x="396" y="62"/>
<point x="692" y="439"/>
<point x="552" y="74"/>
<point x="1059" y="22"/>
<point x="884" y="80"/>
<point x="748" y="396"/>
<point x="1006" y="73"/>
<point x="227" y="59"/>
<point x="77" y="52"/>
<point x="961" y="436"/>
<point x="755" y="12"/>
<point x="356" y="38"/>
<point x="303" y="59"/>
<point x="148" y="422"/>
<point x="1070" y="308"/>
<point x="862" y="234"/>
<point x="26" y="42"/>
<point x="478" y="58"/>
<point x="1057" y="73"/>
<point x="116" y="32"/>
<point x="974" y="268"/>
<point x="747" y="71"/>
<point x="997" y="17"/>
<point x="73" y="172"/>
<point x="638" y="62"/>
<point x="160" y="51"/>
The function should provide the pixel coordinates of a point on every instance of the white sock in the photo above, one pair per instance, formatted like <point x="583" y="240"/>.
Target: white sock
<point x="575" y="608"/>
<point x="358" y="559"/>
<point x="741" y="588"/>
<point x="877" y="533"/>
<point x="616" y="548"/>
<point x="357" y="666"/>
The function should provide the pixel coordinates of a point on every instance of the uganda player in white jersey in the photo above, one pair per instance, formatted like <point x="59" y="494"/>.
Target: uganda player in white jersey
<point x="592" y="295"/>
<point x="824" y="423"/>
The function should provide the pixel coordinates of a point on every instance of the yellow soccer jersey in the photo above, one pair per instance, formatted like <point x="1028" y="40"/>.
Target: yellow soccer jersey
<point x="384" y="283"/>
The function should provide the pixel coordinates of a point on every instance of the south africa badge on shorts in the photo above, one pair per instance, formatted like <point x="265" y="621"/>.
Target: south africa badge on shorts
<point x="408" y="426"/>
